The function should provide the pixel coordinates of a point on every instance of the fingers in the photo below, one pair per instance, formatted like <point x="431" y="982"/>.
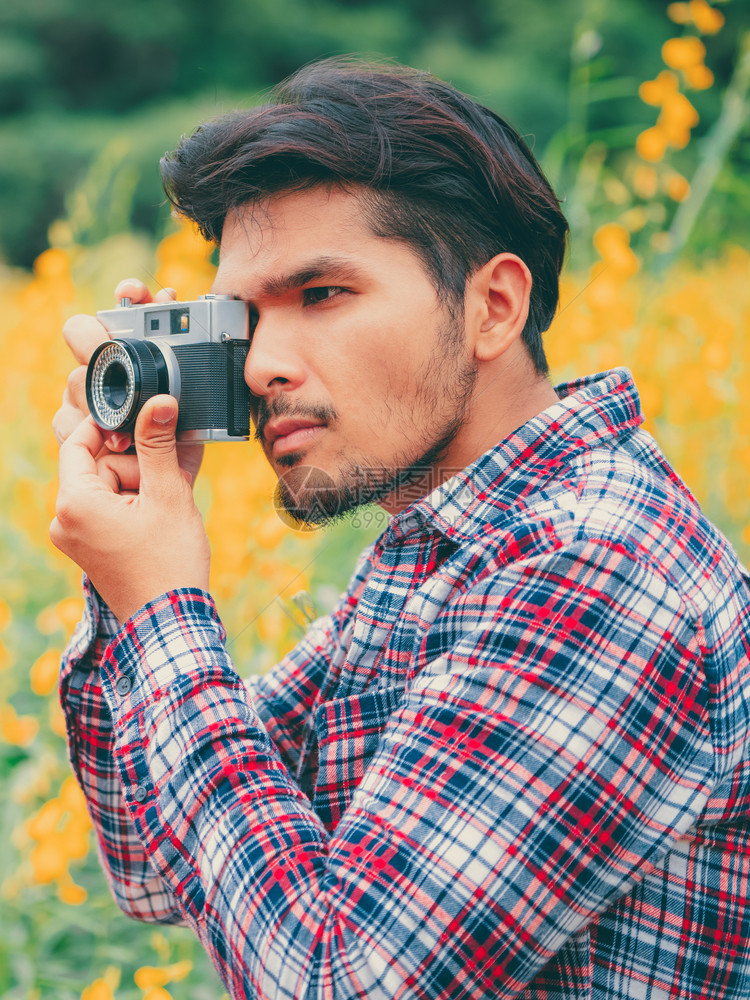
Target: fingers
<point x="83" y="334"/>
<point x="133" y="289"/>
<point x="156" y="448"/>
<point x="78" y="451"/>
<point x="73" y="408"/>
<point x="190" y="457"/>
<point x="75" y="390"/>
<point x="138" y="293"/>
<point x="119" y="472"/>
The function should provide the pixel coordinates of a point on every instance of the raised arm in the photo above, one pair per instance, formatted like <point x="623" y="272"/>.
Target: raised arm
<point x="523" y="783"/>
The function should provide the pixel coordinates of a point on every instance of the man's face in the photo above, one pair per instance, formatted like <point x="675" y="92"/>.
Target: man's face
<point x="360" y="377"/>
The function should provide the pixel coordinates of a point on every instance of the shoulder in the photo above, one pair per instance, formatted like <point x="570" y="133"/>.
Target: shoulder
<point x="625" y="499"/>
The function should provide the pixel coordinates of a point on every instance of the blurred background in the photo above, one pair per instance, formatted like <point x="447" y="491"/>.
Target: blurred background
<point x="638" y="112"/>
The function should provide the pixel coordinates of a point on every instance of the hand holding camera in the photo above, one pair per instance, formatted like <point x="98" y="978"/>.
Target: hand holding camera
<point x="83" y="335"/>
<point x="113" y="508"/>
<point x="133" y="545"/>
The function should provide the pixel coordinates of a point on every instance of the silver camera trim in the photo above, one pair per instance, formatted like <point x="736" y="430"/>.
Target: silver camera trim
<point x="213" y="318"/>
<point x="113" y="353"/>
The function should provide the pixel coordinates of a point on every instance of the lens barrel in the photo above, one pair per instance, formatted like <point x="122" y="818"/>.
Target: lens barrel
<point x="122" y="375"/>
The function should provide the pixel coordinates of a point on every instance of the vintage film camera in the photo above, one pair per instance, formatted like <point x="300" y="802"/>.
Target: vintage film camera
<point x="195" y="351"/>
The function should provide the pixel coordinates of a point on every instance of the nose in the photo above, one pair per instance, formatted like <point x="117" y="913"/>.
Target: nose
<point x="273" y="364"/>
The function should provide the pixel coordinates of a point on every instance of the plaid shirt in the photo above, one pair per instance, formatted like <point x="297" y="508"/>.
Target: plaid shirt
<point x="513" y="762"/>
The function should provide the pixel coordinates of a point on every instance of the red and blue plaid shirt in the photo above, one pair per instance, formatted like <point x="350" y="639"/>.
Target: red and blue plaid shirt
<point x="513" y="762"/>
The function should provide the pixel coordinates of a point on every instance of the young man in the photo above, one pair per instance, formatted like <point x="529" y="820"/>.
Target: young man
<point x="514" y="759"/>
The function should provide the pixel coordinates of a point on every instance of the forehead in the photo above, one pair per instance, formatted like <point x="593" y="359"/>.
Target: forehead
<point x="321" y="234"/>
<point x="323" y="220"/>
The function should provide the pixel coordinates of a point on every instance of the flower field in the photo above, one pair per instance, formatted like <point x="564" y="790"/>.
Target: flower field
<point x="680" y="325"/>
<point x="684" y="337"/>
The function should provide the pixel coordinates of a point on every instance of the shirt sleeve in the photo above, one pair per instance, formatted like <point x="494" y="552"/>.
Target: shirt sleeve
<point x="532" y="773"/>
<point x="136" y="887"/>
<point x="283" y="698"/>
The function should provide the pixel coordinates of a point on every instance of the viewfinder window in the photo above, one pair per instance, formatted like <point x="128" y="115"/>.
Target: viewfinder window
<point x="179" y="321"/>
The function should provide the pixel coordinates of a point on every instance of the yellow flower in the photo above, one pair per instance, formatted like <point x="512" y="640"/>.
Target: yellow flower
<point x="661" y="242"/>
<point x="60" y="829"/>
<point x="657" y="91"/>
<point x="612" y="243"/>
<point x="44" y="822"/>
<point x="103" y="988"/>
<point x="56" y="718"/>
<point x="270" y="531"/>
<point x="184" y="262"/>
<point x="152" y="976"/>
<point x="179" y="970"/>
<point x="651" y="144"/>
<point x="6" y="658"/>
<point x="45" y="671"/>
<point x="706" y="18"/>
<point x="634" y="219"/>
<point x="679" y="13"/>
<point x="160" y="944"/>
<point x="62" y="615"/>
<point x="677" y="187"/>
<point x="100" y="989"/>
<point x="75" y="837"/>
<point x="71" y="797"/>
<point x="69" y="892"/>
<point x="682" y="53"/>
<point x="157" y="993"/>
<point x="6" y="615"/>
<point x="651" y="397"/>
<point x="699" y="77"/>
<point x="677" y="118"/>
<point x="48" y="860"/>
<point x="716" y="356"/>
<point x="53" y="265"/>
<point x="18" y="730"/>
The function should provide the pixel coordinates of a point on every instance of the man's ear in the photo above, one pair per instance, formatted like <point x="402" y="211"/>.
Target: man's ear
<point x="497" y="305"/>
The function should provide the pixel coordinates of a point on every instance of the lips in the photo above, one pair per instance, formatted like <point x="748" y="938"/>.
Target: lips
<point x="289" y="434"/>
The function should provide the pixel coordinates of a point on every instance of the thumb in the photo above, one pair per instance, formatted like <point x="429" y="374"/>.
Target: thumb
<point x="156" y="447"/>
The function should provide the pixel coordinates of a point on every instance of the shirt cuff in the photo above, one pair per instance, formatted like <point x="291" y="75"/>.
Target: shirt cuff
<point x="92" y="634"/>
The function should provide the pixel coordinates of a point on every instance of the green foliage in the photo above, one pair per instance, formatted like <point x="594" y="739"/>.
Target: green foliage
<point x="76" y="78"/>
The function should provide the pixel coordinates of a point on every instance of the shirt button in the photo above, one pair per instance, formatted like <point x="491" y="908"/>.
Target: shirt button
<point x="140" y="794"/>
<point x="124" y="684"/>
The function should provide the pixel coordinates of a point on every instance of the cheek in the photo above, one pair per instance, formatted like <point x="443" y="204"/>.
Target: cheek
<point x="382" y="368"/>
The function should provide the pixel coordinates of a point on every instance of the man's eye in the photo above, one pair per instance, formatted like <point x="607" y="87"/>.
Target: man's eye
<point x="312" y="296"/>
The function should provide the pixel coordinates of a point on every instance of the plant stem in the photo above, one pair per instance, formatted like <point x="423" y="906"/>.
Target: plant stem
<point x="714" y="150"/>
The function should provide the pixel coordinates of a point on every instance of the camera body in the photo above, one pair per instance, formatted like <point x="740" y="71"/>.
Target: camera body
<point x="195" y="351"/>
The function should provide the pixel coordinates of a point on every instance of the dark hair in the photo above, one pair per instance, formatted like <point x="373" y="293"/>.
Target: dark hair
<point x="438" y="172"/>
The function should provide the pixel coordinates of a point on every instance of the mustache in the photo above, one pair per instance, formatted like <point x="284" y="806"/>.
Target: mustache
<point x="281" y="406"/>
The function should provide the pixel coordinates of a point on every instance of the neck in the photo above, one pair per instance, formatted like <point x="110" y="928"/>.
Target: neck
<point x="506" y="395"/>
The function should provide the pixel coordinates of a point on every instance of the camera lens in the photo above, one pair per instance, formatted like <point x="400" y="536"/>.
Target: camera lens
<point x="115" y="385"/>
<point x="121" y="376"/>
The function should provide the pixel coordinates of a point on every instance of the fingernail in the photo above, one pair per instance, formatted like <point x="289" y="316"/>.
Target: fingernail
<point x="117" y="441"/>
<point x="163" y="414"/>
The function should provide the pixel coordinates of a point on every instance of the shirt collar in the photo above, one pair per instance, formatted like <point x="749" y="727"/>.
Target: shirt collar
<point x="590" y="412"/>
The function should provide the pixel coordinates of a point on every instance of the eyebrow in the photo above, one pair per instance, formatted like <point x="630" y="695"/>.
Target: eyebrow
<point x="340" y="268"/>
